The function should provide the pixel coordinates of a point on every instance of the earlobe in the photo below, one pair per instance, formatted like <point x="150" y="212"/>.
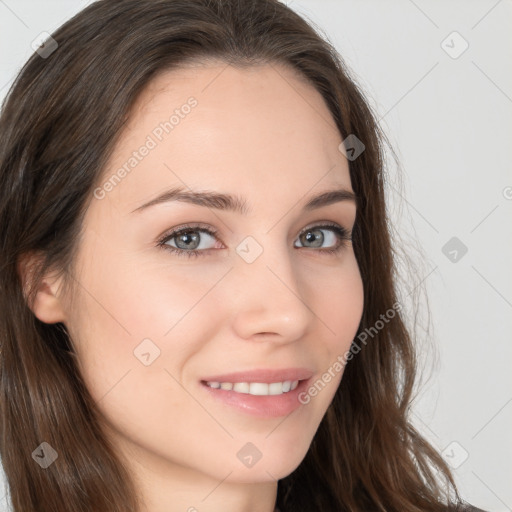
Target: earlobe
<point x="46" y="304"/>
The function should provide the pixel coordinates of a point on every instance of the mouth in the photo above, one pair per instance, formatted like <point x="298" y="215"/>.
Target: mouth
<point x="255" y="388"/>
<point x="259" y="393"/>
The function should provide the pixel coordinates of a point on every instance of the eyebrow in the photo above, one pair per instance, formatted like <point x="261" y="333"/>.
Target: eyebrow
<point x="236" y="203"/>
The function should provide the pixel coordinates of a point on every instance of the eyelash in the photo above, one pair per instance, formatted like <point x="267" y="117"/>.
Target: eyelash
<point x="343" y="234"/>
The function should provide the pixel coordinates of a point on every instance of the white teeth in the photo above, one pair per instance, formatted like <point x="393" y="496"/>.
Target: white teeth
<point x="275" y="388"/>
<point x="256" y="388"/>
<point x="241" y="387"/>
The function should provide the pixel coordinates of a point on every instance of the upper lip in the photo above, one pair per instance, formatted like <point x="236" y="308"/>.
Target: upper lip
<point x="265" y="375"/>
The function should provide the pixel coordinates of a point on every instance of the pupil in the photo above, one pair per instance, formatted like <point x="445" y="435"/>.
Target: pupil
<point x="311" y="237"/>
<point x="188" y="239"/>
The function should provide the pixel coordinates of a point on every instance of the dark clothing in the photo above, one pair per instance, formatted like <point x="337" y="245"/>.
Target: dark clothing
<point x="462" y="508"/>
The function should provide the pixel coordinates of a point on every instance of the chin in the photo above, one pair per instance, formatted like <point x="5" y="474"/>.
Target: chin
<point x="278" y="464"/>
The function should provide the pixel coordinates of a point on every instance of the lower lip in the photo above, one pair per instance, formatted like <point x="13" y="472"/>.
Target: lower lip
<point x="270" y="406"/>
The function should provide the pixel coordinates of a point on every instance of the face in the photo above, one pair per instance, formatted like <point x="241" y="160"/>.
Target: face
<point x="188" y="290"/>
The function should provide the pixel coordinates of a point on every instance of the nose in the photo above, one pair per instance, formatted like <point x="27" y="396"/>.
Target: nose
<point x="269" y="300"/>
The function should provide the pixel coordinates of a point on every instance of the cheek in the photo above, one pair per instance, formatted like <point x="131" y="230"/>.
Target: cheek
<point x="130" y="313"/>
<point x="340" y="301"/>
<point x="129" y="317"/>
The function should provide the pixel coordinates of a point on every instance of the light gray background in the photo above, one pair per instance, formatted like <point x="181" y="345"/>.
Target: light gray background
<point x="449" y="119"/>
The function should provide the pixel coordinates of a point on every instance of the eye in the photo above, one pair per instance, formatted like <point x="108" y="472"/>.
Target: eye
<point x="333" y="235"/>
<point x="196" y="240"/>
<point x="189" y="240"/>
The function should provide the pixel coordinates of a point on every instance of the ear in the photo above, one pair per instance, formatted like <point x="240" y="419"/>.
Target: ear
<point x="46" y="304"/>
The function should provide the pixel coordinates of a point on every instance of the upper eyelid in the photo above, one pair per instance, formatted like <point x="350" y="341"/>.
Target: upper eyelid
<point x="214" y="232"/>
<point x="192" y="227"/>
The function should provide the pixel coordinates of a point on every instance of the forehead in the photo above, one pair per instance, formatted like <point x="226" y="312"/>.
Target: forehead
<point x="212" y="126"/>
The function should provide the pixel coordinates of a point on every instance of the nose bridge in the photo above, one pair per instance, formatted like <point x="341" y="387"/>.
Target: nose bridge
<point x="268" y="292"/>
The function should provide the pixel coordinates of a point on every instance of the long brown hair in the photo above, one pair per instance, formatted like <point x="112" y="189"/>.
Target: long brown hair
<point x="58" y="126"/>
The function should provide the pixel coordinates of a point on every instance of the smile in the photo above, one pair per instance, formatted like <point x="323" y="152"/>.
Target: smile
<point x="256" y="388"/>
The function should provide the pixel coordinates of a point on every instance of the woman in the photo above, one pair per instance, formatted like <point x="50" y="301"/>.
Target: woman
<point x="195" y="249"/>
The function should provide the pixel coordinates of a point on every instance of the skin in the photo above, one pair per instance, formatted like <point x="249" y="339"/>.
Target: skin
<point x="264" y="134"/>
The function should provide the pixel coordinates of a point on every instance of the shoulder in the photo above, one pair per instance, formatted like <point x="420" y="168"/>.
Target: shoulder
<point x="466" y="507"/>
